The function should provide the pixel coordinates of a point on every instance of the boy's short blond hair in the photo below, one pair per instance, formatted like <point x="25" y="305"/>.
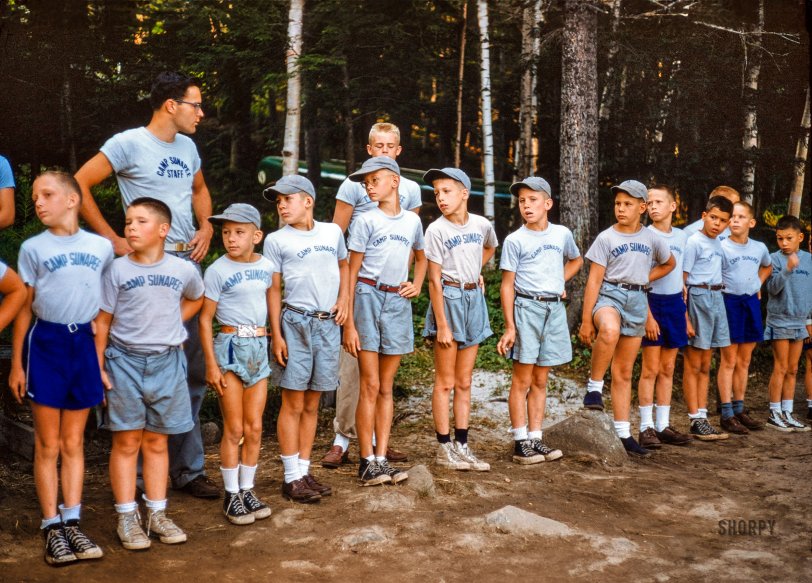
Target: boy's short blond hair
<point x="747" y="206"/>
<point x="65" y="180"/>
<point x="726" y="191"/>
<point x="383" y="127"/>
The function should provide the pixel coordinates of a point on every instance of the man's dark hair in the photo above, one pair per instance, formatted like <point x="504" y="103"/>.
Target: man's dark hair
<point x="721" y="203"/>
<point x="156" y="206"/>
<point x="789" y="222"/>
<point x="169" y="85"/>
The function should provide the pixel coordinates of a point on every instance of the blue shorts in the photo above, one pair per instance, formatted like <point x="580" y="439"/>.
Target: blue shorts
<point x="149" y="391"/>
<point x="706" y="309"/>
<point x="61" y="366"/>
<point x="542" y="334"/>
<point x="668" y="311"/>
<point x="631" y="305"/>
<point x="313" y="349"/>
<point x="744" y="318"/>
<point x="466" y="313"/>
<point x="383" y="320"/>
<point x="245" y="357"/>
<point x="780" y="333"/>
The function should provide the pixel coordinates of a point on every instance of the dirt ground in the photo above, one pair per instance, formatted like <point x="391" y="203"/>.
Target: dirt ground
<point x="661" y="519"/>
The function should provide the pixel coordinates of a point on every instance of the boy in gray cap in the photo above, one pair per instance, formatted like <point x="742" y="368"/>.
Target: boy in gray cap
<point x="615" y="304"/>
<point x="237" y="291"/>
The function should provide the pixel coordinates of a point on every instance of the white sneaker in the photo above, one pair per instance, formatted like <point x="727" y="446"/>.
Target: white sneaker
<point x="448" y="457"/>
<point x="776" y="421"/>
<point x="168" y="532"/>
<point x="474" y="462"/>
<point x="794" y="424"/>
<point x="130" y="533"/>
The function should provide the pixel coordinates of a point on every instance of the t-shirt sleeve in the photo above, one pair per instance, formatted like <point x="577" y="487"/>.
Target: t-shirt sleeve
<point x="359" y="235"/>
<point x="213" y="284"/>
<point x="661" y="250"/>
<point x="599" y="250"/>
<point x="434" y="245"/>
<point x="27" y="265"/>
<point x="341" y="246"/>
<point x="272" y="253"/>
<point x="6" y="175"/>
<point x="765" y="256"/>
<point x="109" y="290"/>
<point x="194" y="284"/>
<point x="571" y="250"/>
<point x="490" y="236"/>
<point x="689" y="257"/>
<point x="510" y="256"/>
<point x="115" y="151"/>
<point x="415" y="199"/>
<point x="419" y="239"/>
<point x="348" y="192"/>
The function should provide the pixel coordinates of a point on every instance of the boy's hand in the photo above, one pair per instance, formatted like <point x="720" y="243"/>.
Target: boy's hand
<point x="689" y="328"/>
<point x="200" y="244"/>
<point x="444" y="336"/>
<point x="106" y="381"/>
<point x="506" y="342"/>
<point x="587" y="332"/>
<point x="280" y="350"/>
<point x="16" y="382"/>
<point x="482" y="282"/>
<point x="652" y="328"/>
<point x="341" y="310"/>
<point x="408" y="290"/>
<point x="351" y="343"/>
<point x="792" y="262"/>
<point x="216" y="380"/>
<point x="120" y="246"/>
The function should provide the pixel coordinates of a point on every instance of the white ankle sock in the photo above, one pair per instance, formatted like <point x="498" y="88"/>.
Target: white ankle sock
<point x="230" y="479"/>
<point x="380" y="458"/>
<point x="596" y="386"/>
<point x="646" y="419"/>
<point x="126" y="507"/>
<point x="247" y="474"/>
<point x="623" y="429"/>
<point x="519" y="433"/>
<point x="46" y="522"/>
<point x="697" y="415"/>
<point x="304" y="466"/>
<point x="70" y="512"/>
<point x="291" y="465"/>
<point x="154" y="505"/>
<point x="786" y="405"/>
<point x="343" y="441"/>
<point x="703" y="413"/>
<point x="534" y="434"/>
<point x="775" y="407"/>
<point x="662" y="414"/>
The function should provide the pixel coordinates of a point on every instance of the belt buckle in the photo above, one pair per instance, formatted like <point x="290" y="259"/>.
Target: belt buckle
<point x="246" y="331"/>
<point x="73" y="327"/>
<point x="322" y="315"/>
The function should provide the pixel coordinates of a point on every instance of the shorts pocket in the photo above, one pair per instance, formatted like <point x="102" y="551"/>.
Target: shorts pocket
<point x="111" y="352"/>
<point x="452" y="293"/>
<point x="363" y="288"/>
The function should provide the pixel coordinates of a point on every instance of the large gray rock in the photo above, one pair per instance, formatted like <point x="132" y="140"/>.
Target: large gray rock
<point x="588" y="434"/>
<point x="211" y="433"/>
<point x="421" y="481"/>
<point x="512" y="520"/>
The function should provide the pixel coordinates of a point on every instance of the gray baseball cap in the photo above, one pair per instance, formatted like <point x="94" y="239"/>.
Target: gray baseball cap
<point x="632" y="188"/>
<point x="290" y="184"/>
<point x="239" y="212"/>
<point x="452" y="173"/>
<point x="373" y="165"/>
<point x="536" y="183"/>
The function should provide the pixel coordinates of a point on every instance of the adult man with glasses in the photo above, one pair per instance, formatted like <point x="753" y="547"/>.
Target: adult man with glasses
<point x="158" y="161"/>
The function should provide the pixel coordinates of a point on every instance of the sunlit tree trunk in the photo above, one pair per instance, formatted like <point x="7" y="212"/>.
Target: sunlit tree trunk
<point x="750" y="139"/>
<point x="526" y="149"/>
<point x="799" y="171"/>
<point x="290" y="147"/>
<point x="460" y="78"/>
<point x="349" y="132"/>
<point x="487" y="119"/>
<point x="579" y="134"/>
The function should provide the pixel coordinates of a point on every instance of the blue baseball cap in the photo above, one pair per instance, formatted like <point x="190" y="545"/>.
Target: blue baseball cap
<point x="452" y="173"/>
<point x="290" y="184"/>
<point x="536" y="183"/>
<point x="373" y="165"/>
<point x="239" y="212"/>
<point x="632" y="188"/>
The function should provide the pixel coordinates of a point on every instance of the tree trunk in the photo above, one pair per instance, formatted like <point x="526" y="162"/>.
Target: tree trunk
<point x="656" y="136"/>
<point x="610" y="84"/>
<point x="460" y="77"/>
<point x="487" y="117"/>
<point x="290" y="148"/>
<point x="750" y="139"/>
<point x="311" y="132"/>
<point x="526" y="153"/>
<point x="579" y="134"/>
<point x="799" y="170"/>
<point x="349" y="133"/>
<point x="69" y="138"/>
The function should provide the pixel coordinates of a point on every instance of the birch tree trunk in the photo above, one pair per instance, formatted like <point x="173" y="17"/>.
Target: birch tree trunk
<point x="750" y="139"/>
<point x="290" y="147"/>
<point x="799" y="171"/>
<point x="526" y="152"/>
<point x="610" y="82"/>
<point x="460" y="77"/>
<point x="579" y="134"/>
<point x="487" y="118"/>
<point x="349" y="132"/>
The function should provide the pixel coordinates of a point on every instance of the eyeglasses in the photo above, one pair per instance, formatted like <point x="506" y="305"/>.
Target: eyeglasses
<point x="198" y="106"/>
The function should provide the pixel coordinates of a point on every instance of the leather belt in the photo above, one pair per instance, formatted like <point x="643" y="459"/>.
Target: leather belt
<point x="540" y="298"/>
<point x="392" y="289"/>
<point x="629" y="286"/>
<point x="712" y="287"/>
<point x="245" y="331"/>
<point x="178" y="247"/>
<point x="465" y="286"/>
<point x="319" y="315"/>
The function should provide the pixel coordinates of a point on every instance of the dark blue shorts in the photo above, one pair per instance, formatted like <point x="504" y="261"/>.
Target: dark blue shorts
<point x="669" y="312"/>
<point x="744" y="318"/>
<point x="61" y="366"/>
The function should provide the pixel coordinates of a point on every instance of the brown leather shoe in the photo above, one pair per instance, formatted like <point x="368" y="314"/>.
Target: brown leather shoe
<point x="671" y="436"/>
<point x="395" y="456"/>
<point x="316" y="486"/>
<point x="749" y="422"/>
<point x="335" y="457"/>
<point x="733" y="425"/>
<point x="648" y="439"/>
<point x="298" y="491"/>
<point x="201" y="487"/>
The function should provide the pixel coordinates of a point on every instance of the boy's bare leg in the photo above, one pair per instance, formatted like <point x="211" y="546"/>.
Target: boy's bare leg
<point x="154" y="447"/>
<point x="791" y="375"/>
<point x="123" y="460"/>
<point x="607" y="323"/>
<point x="780" y="366"/>
<point x="703" y="379"/>
<point x="648" y="375"/>
<point x="231" y="407"/>
<point x="308" y="422"/>
<point x="537" y="399"/>
<point x="369" y="387"/>
<point x="253" y="405"/>
<point x="622" y="365"/>
<point x="519" y="407"/>
<point x="740" y="373"/>
<point x="463" y="370"/>
<point x="46" y="452"/>
<point x="287" y="424"/>
<point x="384" y="405"/>
<point x="445" y="365"/>
<point x="727" y="367"/>
<point x="693" y="363"/>
<point x="665" y="376"/>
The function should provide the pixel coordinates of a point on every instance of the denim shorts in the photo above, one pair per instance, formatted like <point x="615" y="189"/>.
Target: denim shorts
<point x="631" y="305"/>
<point x="383" y="320"/>
<point x="313" y="350"/>
<point x="542" y="334"/>
<point x="669" y="313"/>
<point x="149" y="391"/>
<point x="466" y="313"/>
<point x="744" y="318"/>
<point x="780" y="333"/>
<point x="245" y="357"/>
<point x="706" y="309"/>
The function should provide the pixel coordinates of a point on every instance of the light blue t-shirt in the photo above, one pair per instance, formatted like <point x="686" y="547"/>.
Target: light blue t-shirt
<point x="537" y="258"/>
<point x="355" y="195"/>
<point x="387" y="243"/>
<point x="703" y="260"/>
<point x="147" y="166"/>
<point x="240" y="290"/>
<point x="6" y="175"/>
<point x="697" y="225"/>
<point x="459" y="248"/>
<point x="628" y="257"/>
<point x="672" y="282"/>
<point x="308" y="262"/>
<point x="66" y="274"/>
<point x="741" y="264"/>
